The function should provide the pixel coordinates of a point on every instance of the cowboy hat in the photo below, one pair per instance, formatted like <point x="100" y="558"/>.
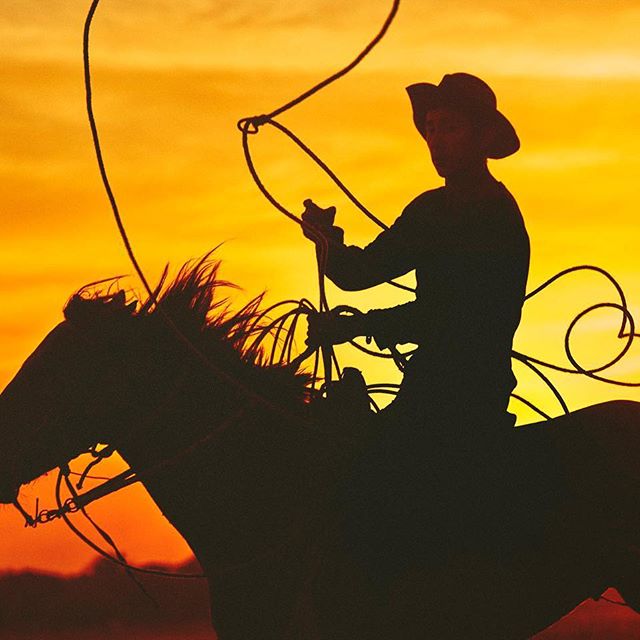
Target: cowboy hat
<point x="474" y="97"/>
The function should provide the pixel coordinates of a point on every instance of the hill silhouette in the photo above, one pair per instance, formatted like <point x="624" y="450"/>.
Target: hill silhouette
<point x="104" y="597"/>
<point x="105" y="603"/>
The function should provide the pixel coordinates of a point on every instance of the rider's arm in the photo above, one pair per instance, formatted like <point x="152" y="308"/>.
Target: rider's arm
<point x="397" y="325"/>
<point x="388" y="327"/>
<point x="390" y="255"/>
<point x="393" y="253"/>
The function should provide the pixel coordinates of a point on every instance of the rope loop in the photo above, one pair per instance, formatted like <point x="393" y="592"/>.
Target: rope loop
<point x="251" y="125"/>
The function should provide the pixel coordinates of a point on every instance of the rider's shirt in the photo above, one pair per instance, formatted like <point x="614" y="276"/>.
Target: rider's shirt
<point x="471" y="260"/>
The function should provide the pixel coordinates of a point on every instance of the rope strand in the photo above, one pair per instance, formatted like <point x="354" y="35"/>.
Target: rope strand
<point x="250" y="126"/>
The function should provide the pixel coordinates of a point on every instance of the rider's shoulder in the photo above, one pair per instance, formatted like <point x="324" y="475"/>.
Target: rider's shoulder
<point x="426" y="202"/>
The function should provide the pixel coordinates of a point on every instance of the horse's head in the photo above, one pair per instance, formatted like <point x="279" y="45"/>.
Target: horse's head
<point x="110" y="372"/>
<point x="68" y="391"/>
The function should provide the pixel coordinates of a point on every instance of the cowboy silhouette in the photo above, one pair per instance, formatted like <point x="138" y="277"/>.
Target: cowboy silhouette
<point x="469" y="247"/>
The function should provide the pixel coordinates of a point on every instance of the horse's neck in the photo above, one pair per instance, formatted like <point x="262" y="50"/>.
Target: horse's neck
<point x="241" y="500"/>
<point x="230" y="484"/>
<point x="165" y="449"/>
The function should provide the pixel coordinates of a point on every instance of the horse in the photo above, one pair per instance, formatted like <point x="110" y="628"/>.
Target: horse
<point x="246" y="466"/>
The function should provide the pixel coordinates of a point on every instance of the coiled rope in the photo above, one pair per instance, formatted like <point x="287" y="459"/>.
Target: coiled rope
<point x="79" y="502"/>
<point x="250" y="126"/>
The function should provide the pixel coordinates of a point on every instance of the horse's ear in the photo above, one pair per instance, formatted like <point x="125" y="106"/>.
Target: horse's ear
<point x="119" y="303"/>
<point x="119" y="300"/>
<point x="73" y="307"/>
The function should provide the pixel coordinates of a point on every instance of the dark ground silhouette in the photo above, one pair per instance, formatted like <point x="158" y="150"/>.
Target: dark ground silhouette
<point x="102" y="600"/>
<point x="104" y="603"/>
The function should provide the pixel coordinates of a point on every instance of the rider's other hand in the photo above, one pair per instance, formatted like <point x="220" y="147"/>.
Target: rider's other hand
<point x="330" y="328"/>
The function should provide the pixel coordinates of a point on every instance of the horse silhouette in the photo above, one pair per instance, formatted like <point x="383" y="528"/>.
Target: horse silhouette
<point x="247" y="469"/>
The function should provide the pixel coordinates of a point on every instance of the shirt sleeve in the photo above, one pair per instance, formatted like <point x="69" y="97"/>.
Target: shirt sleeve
<point x="390" y="255"/>
<point x="397" y="325"/>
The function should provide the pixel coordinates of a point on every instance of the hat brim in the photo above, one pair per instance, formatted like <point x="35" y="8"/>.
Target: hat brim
<point x="425" y="96"/>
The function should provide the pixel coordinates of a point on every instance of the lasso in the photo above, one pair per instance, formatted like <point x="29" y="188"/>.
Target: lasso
<point x="285" y="323"/>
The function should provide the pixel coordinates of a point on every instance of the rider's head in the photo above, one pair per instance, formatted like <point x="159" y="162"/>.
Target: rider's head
<point x="460" y="121"/>
<point x="456" y="142"/>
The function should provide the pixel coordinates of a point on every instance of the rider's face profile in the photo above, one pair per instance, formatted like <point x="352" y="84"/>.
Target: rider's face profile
<point x="453" y="141"/>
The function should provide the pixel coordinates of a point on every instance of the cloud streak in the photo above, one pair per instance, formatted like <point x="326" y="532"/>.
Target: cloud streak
<point x="170" y="81"/>
<point x="536" y="38"/>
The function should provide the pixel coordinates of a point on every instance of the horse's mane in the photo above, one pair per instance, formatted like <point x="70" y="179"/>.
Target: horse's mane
<point x="195" y="304"/>
<point x="196" y="307"/>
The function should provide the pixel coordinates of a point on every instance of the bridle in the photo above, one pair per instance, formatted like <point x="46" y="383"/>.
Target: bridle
<point x="78" y="501"/>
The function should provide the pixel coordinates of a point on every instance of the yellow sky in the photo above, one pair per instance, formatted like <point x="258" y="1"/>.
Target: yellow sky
<point x="170" y="81"/>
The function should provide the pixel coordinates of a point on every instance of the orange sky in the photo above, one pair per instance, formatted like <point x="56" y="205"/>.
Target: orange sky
<point x="170" y="81"/>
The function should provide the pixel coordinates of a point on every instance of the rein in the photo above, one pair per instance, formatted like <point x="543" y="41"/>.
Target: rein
<point x="78" y="502"/>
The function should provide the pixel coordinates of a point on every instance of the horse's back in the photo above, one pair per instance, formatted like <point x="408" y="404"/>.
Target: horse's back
<point x="524" y="511"/>
<point x="596" y="452"/>
<point x="567" y="483"/>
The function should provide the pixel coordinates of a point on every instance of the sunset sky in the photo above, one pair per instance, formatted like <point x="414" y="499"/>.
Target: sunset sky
<point x="170" y="81"/>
